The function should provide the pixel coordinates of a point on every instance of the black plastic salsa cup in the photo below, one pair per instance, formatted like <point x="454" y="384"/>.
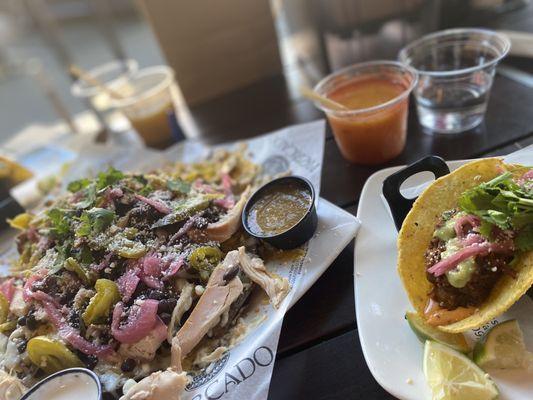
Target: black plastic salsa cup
<point x="299" y="233"/>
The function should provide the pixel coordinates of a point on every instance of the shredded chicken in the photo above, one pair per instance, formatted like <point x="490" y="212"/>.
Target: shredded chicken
<point x="144" y="349"/>
<point x="167" y="385"/>
<point x="222" y="230"/>
<point x="18" y="306"/>
<point x="175" y="355"/>
<point x="275" y="286"/>
<point x="182" y="306"/>
<point x="216" y="299"/>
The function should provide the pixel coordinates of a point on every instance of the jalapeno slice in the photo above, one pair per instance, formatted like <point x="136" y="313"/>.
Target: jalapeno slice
<point x="4" y="308"/>
<point x="204" y="259"/>
<point x="51" y="355"/>
<point x="21" y="221"/>
<point x="127" y="248"/>
<point x="73" y="266"/>
<point x="8" y="326"/>
<point x="107" y="295"/>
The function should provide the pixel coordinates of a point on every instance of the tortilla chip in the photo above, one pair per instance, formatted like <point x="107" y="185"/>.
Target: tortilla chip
<point x="417" y="231"/>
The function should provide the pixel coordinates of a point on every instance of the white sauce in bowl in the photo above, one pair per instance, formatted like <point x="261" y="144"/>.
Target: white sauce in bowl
<point x="70" y="386"/>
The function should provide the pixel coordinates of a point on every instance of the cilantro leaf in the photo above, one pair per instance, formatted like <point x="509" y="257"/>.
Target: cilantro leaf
<point x="59" y="221"/>
<point x="179" y="186"/>
<point x="76" y="186"/>
<point x="502" y="202"/>
<point x="524" y="240"/>
<point x="95" y="220"/>
<point x="485" y="229"/>
<point x="89" y="197"/>
<point x="108" y="178"/>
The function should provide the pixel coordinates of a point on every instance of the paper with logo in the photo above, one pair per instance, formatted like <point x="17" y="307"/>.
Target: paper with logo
<point x="245" y="370"/>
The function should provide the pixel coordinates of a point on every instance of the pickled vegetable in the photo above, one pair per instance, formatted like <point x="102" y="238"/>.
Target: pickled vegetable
<point x="8" y="326"/>
<point x="127" y="248"/>
<point x="73" y="266"/>
<point x="204" y="259"/>
<point x="107" y="295"/>
<point x="21" y="221"/>
<point x="4" y="308"/>
<point x="51" y="355"/>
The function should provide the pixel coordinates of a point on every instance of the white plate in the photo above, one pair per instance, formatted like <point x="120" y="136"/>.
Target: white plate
<point x="391" y="350"/>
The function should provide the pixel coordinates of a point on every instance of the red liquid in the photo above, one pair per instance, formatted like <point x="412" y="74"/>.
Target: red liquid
<point x="370" y="137"/>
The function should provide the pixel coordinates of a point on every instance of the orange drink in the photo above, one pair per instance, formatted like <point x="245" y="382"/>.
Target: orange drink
<point x="373" y="127"/>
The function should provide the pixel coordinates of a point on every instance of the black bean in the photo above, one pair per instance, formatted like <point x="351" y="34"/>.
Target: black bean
<point x="128" y="365"/>
<point x="156" y="294"/>
<point x="89" y="361"/>
<point x="166" y="305"/>
<point x="21" y="347"/>
<point x="31" y="322"/>
<point x="74" y="319"/>
<point x="165" y="317"/>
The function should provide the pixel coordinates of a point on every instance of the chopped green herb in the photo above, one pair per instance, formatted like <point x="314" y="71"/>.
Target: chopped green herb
<point x="59" y="221"/>
<point x="179" y="186"/>
<point x="76" y="186"/>
<point x="110" y="177"/>
<point x="95" y="220"/>
<point x="504" y="203"/>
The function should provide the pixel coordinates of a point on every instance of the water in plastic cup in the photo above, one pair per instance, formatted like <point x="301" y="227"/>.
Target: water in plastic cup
<point x="456" y="68"/>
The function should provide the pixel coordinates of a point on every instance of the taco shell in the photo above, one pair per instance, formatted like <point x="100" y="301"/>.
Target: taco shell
<point x="417" y="231"/>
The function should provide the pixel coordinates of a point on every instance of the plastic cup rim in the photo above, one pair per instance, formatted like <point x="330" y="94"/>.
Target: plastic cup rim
<point x="402" y="55"/>
<point x="387" y="104"/>
<point x="166" y="82"/>
<point x="79" y="90"/>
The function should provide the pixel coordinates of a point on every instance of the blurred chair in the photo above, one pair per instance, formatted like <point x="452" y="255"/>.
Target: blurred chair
<point x="215" y="46"/>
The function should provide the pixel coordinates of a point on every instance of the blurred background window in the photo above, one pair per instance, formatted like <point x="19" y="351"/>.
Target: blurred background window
<point x="40" y="38"/>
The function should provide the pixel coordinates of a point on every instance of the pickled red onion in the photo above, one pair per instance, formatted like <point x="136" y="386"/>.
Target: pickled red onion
<point x="471" y="220"/>
<point x="158" y="205"/>
<point x="72" y="336"/>
<point x="477" y="249"/>
<point x="7" y="288"/>
<point x="139" y="323"/>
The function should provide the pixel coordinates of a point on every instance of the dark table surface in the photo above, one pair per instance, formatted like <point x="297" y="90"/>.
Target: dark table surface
<point x="319" y="354"/>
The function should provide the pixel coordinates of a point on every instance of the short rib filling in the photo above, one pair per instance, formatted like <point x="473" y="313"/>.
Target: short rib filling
<point x="487" y="270"/>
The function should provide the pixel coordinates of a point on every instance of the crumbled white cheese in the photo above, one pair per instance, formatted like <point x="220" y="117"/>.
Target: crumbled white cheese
<point x="199" y="290"/>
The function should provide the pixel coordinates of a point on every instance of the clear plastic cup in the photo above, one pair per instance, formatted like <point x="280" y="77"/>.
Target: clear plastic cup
<point x="374" y="133"/>
<point x="110" y="74"/>
<point x="149" y="104"/>
<point x="456" y="69"/>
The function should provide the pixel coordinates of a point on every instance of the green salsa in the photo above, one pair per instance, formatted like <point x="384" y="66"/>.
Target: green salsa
<point x="460" y="275"/>
<point x="279" y="208"/>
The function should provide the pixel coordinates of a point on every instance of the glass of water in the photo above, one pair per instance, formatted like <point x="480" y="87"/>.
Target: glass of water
<point x="456" y="68"/>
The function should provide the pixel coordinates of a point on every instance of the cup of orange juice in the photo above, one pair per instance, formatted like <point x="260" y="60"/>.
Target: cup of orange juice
<point x="148" y="101"/>
<point x="372" y="126"/>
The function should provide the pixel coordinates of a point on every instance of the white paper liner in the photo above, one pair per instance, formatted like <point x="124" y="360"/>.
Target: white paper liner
<point x="245" y="371"/>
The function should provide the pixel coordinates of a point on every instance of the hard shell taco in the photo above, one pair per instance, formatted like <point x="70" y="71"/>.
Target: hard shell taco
<point x="465" y="248"/>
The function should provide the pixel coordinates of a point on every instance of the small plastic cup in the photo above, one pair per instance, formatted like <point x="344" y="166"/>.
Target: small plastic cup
<point x="374" y="134"/>
<point x="456" y="69"/>
<point x="149" y="104"/>
<point x="110" y="74"/>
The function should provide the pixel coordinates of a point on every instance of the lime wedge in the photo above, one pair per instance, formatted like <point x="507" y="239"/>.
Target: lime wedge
<point x="425" y="332"/>
<point x="453" y="376"/>
<point x="502" y="347"/>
